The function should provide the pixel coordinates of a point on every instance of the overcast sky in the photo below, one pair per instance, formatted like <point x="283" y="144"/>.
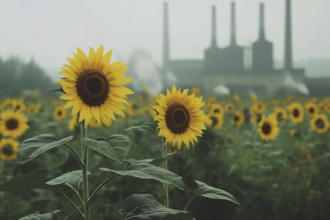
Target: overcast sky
<point x="49" y="31"/>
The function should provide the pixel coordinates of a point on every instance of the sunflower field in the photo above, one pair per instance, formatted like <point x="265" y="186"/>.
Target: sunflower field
<point x="94" y="148"/>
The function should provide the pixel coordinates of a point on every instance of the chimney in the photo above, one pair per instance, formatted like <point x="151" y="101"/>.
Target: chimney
<point x="288" y="37"/>
<point x="262" y="23"/>
<point x="166" y="43"/>
<point x="233" y="25"/>
<point x="214" y="27"/>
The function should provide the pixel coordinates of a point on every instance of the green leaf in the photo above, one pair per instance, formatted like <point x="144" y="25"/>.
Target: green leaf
<point x="71" y="178"/>
<point x="37" y="216"/>
<point x="144" y="170"/>
<point x="207" y="191"/>
<point x="148" y="127"/>
<point x="115" y="147"/>
<point x="18" y="184"/>
<point x="37" y="145"/>
<point x="37" y="180"/>
<point x="146" y="207"/>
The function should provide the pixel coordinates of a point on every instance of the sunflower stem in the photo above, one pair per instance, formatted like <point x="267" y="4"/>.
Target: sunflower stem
<point x="165" y="166"/>
<point x="84" y="151"/>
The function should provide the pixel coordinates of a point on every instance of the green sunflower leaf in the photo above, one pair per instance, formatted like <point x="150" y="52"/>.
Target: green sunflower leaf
<point x="148" y="127"/>
<point x="210" y="192"/>
<point x="115" y="147"/>
<point x="144" y="170"/>
<point x="37" y="216"/>
<point x="146" y="207"/>
<point x="18" y="184"/>
<point x="72" y="178"/>
<point x="37" y="145"/>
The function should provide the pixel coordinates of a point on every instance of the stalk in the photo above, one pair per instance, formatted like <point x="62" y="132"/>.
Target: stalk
<point x="165" y="166"/>
<point x="84" y="151"/>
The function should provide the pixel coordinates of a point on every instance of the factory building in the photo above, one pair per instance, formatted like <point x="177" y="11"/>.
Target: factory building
<point x="241" y="69"/>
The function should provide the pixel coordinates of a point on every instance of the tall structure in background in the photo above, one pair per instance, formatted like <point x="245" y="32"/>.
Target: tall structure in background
<point x="212" y="55"/>
<point x="166" y="42"/>
<point x="288" y="37"/>
<point x="233" y="58"/>
<point x="262" y="50"/>
<point x="238" y="68"/>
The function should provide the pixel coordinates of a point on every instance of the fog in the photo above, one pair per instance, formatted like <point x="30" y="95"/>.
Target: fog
<point x="49" y="31"/>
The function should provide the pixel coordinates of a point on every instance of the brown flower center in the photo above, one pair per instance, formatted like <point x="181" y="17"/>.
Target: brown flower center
<point x="93" y="87"/>
<point x="266" y="128"/>
<point x="214" y="121"/>
<point x="236" y="118"/>
<point x="296" y="113"/>
<point x="177" y="118"/>
<point x="319" y="123"/>
<point x="7" y="150"/>
<point x="311" y="110"/>
<point x="59" y="113"/>
<point x="216" y="110"/>
<point x="12" y="124"/>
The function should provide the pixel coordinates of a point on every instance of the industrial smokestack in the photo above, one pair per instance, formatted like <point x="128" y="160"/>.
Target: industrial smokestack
<point x="262" y="22"/>
<point x="288" y="37"/>
<point x="214" y="27"/>
<point x="166" y="41"/>
<point x="233" y="24"/>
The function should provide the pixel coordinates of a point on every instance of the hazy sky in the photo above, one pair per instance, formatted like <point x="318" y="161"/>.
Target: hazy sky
<point x="49" y="30"/>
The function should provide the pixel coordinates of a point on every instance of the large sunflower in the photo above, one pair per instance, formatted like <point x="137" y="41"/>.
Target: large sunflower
<point x="296" y="112"/>
<point x="180" y="118"/>
<point x="268" y="128"/>
<point x="93" y="87"/>
<point x="320" y="123"/>
<point x="13" y="124"/>
<point x="8" y="149"/>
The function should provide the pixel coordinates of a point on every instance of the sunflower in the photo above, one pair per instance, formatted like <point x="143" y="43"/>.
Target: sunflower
<point x="13" y="123"/>
<point x="238" y="118"/>
<point x="280" y="114"/>
<point x="215" y="120"/>
<point x="268" y="128"/>
<point x="229" y="107"/>
<point x="180" y="118"/>
<point x="320" y="123"/>
<point x="60" y="113"/>
<point x="18" y="105"/>
<point x="257" y="108"/>
<point x="296" y="112"/>
<point x="93" y="87"/>
<point x="255" y="119"/>
<point x="216" y="109"/>
<point x="8" y="149"/>
<point x="311" y="108"/>
<point x="253" y="97"/>
<point x="210" y="102"/>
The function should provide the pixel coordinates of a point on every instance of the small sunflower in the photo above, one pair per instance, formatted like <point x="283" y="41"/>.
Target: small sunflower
<point x="8" y="149"/>
<point x="296" y="112"/>
<point x="268" y="128"/>
<point x="238" y="118"/>
<point x="320" y="123"/>
<point x="18" y="105"/>
<point x="255" y="119"/>
<point x="60" y="113"/>
<point x="93" y="87"/>
<point x="229" y="107"/>
<point x="280" y="114"/>
<point x="180" y="118"/>
<point x="216" y="109"/>
<point x="311" y="108"/>
<point x="215" y="120"/>
<point x="13" y="124"/>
